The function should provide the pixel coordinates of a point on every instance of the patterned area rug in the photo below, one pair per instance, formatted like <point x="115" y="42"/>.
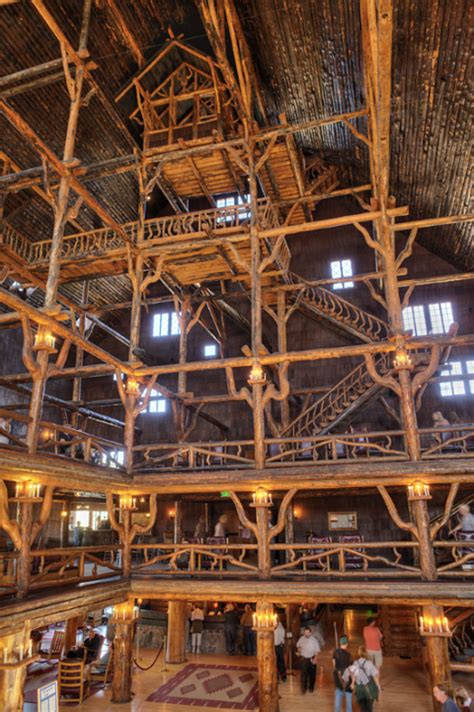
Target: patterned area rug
<point x="227" y="687"/>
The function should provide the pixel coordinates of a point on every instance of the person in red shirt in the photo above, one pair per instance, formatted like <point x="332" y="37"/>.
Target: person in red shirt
<point x="373" y="638"/>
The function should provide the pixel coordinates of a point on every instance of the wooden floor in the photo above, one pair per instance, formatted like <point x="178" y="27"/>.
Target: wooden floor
<point x="403" y="683"/>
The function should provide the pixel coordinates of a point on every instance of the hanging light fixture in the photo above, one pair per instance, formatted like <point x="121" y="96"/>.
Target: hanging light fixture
<point x="418" y="491"/>
<point x="44" y="340"/>
<point x="133" y="387"/>
<point x="262" y="498"/>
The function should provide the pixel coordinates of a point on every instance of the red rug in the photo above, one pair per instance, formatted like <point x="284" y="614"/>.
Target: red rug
<point x="229" y="687"/>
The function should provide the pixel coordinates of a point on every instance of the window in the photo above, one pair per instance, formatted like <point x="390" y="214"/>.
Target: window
<point x="341" y="268"/>
<point x="431" y="318"/>
<point x="441" y="316"/>
<point x="228" y="202"/>
<point x="414" y="320"/>
<point x="165" y="324"/>
<point x="118" y="458"/>
<point x="461" y="385"/>
<point x="157" y="404"/>
<point x="210" y="350"/>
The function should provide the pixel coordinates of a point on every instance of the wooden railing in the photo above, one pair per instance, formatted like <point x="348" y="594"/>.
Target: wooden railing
<point x="335" y="307"/>
<point x="200" y="223"/>
<point x="377" y="560"/>
<point x="9" y="237"/>
<point x="189" y="559"/>
<point x="452" y="442"/>
<point x="60" y="440"/>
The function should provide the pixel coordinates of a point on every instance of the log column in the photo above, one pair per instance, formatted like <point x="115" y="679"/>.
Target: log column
<point x="262" y="513"/>
<point x="70" y="637"/>
<point x="61" y="215"/>
<point x="123" y="660"/>
<point x="176" y="638"/>
<point x="283" y="348"/>
<point x="12" y="679"/>
<point x="266" y="661"/>
<point x="437" y="656"/>
<point x="65" y="516"/>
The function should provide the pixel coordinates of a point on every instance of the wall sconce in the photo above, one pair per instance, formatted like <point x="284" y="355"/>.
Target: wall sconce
<point x="402" y="360"/>
<point x="257" y="375"/>
<point x="64" y="513"/>
<point x="47" y="434"/>
<point x="261" y="498"/>
<point x="296" y="512"/>
<point x="438" y="627"/>
<point x="27" y="492"/>
<point x="171" y="513"/>
<point x="125" y="612"/>
<point x="127" y="502"/>
<point x="264" y="621"/>
<point x="418" y="491"/>
<point x="133" y="387"/>
<point x="22" y="654"/>
<point x="44" y="341"/>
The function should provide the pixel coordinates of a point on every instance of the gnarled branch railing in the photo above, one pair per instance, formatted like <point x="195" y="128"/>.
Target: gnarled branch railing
<point x="366" y="559"/>
<point x="206" y="455"/>
<point x="200" y="223"/>
<point x="189" y="559"/>
<point x="73" y="565"/>
<point x="61" y="440"/>
<point x="339" y="309"/>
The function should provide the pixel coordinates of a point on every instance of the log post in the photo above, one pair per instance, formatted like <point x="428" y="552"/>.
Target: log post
<point x="178" y="521"/>
<point x="289" y="530"/>
<point x="282" y="348"/>
<point x="258" y="424"/>
<point x="425" y="549"/>
<point x="12" y="680"/>
<point x="176" y="636"/>
<point x="293" y="626"/>
<point x="266" y="661"/>
<point x="70" y="636"/>
<point x="123" y="661"/>
<point x="437" y="656"/>
<point x="24" y="563"/>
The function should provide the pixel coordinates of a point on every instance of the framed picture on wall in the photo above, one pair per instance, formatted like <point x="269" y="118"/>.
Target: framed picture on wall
<point x="339" y="521"/>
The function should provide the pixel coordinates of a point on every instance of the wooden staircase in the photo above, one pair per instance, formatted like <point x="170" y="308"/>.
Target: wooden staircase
<point x="349" y="394"/>
<point x="317" y="302"/>
<point x="399" y="626"/>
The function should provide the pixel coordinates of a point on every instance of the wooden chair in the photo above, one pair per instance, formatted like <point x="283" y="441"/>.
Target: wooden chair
<point x="351" y="558"/>
<point x="103" y="674"/>
<point x="56" y="647"/>
<point x="72" y="680"/>
<point x="324" y="563"/>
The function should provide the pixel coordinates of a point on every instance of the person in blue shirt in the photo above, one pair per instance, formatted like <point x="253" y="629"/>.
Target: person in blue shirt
<point x="440" y="693"/>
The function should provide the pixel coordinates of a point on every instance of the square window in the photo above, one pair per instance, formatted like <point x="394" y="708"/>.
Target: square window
<point x="165" y="324"/>
<point x="341" y="268"/>
<point x="157" y="404"/>
<point x="457" y="387"/>
<point x="228" y="202"/>
<point x="210" y="350"/>
<point x="414" y="320"/>
<point x="441" y="317"/>
<point x="118" y="458"/>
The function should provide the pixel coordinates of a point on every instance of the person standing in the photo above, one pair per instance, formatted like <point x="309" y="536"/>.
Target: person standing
<point x="440" y="693"/>
<point x="197" y="623"/>
<point x="200" y="529"/>
<point x="250" y="641"/>
<point x="231" y="622"/>
<point x="220" y="528"/>
<point x="373" y="638"/>
<point x="279" y="636"/>
<point x="466" y="520"/>
<point x="342" y="660"/>
<point x="308" y="648"/>
<point x="365" y="681"/>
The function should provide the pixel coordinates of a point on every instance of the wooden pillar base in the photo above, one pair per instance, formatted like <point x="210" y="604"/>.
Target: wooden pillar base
<point x="437" y="657"/>
<point x="266" y="661"/>
<point x="12" y="681"/>
<point x="70" y="636"/>
<point x="176" y="639"/>
<point x="123" y="661"/>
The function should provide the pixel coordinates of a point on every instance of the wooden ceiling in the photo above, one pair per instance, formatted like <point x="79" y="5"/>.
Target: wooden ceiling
<point x="308" y="58"/>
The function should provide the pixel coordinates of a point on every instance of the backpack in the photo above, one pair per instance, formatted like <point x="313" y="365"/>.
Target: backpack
<point x="368" y="690"/>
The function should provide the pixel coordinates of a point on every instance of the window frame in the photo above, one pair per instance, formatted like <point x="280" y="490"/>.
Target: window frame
<point x="344" y="267"/>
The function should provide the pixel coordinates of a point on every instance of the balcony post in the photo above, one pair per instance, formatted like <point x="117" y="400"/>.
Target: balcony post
<point x="123" y="660"/>
<point x="437" y="656"/>
<point x="176" y="635"/>
<point x="12" y="669"/>
<point x="266" y="662"/>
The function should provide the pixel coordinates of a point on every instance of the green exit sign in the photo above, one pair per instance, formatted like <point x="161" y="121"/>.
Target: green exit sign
<point x="225" y="493"/>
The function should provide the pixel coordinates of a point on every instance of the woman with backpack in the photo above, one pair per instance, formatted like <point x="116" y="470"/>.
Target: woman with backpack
<point x="365" y="681"/>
